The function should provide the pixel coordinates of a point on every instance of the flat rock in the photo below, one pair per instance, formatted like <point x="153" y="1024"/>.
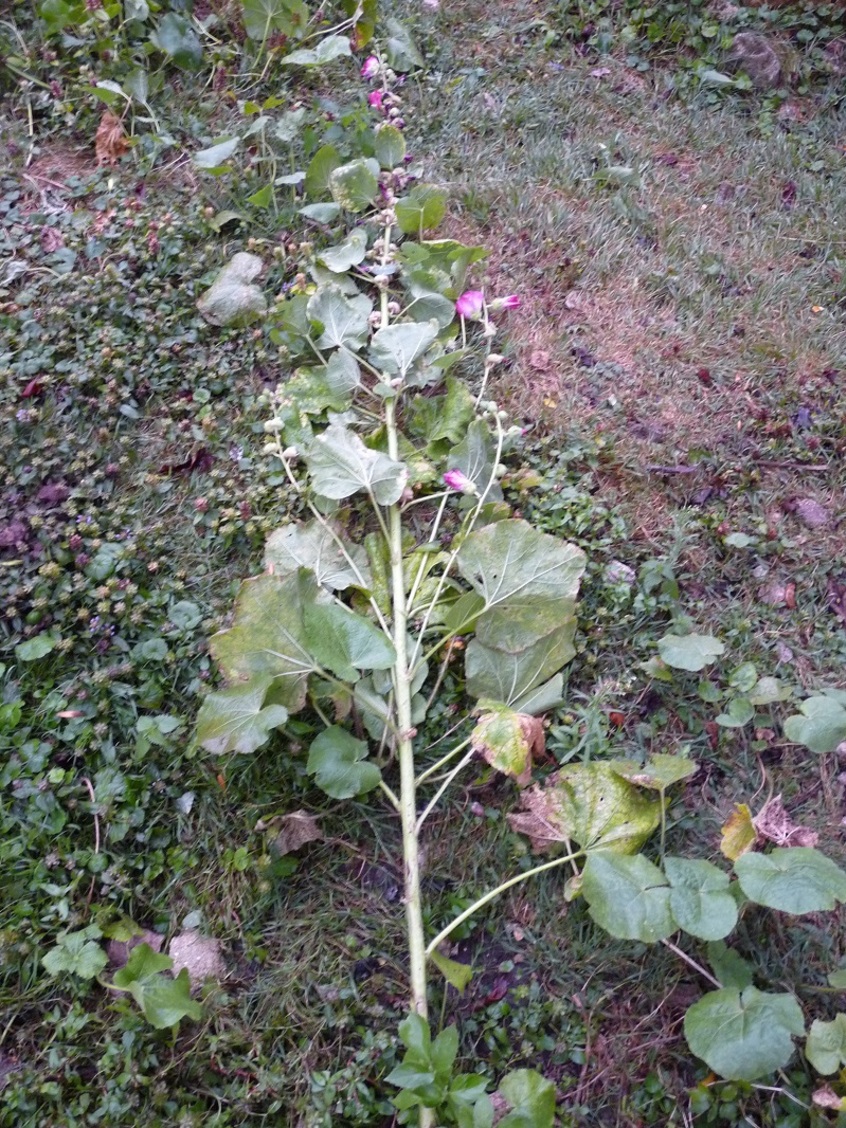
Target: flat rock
<point x="199" y="954"/>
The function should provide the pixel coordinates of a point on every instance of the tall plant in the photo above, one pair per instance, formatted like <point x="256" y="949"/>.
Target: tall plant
<point x="408" y="561"/>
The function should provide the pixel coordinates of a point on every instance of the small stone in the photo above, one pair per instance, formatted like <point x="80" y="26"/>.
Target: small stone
<point x="199" y="954"/>
<point x="811" y="513"/>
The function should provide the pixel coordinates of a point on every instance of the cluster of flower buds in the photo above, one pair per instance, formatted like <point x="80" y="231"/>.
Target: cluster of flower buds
<point x="384" y="100"/>
<point x="472" y="306"/>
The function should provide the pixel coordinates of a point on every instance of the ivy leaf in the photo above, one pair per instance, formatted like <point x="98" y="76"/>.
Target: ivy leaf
<point x="743" y="1035"/>
<point x="795" y="880"/>
<point x="821" y="727"/>
<point x="267" y="638"/>
<point x="339" y="764"/>
<point x="314" y="547"/>
<point x="77" y="953"/>
<point x="421" y="210"/>
<point x="341" y="465"/>
<point x="235" y="719"/>
<point x="354" y="186"/>
<point x="342" y="320"/>
<point x="738" y="833"/>
<point x="327" y="50"/>
<point x="825" y="1048"/>
<point x="700" y="900"/>
<point x="689" y="652"/>
<point x="396" y="348"/>
<point x="344" y="642"/>
<point x="164" y="1001"/>
<point x="232" y="298"/>
<point x="389" y="146"/>
<point x="628" y="897"/>
<point x="508" y="741"/>
<point x="349" y="253"/>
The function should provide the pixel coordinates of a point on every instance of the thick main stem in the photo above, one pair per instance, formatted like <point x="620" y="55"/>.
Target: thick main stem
<point x="405" y="751"/>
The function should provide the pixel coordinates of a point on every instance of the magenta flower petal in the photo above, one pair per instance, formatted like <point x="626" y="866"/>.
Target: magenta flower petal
<point x="457" y="480"/>
<point x="370" y="68"/>
<point x="470" y="304"/>
<point x="375" y="98"/>
<point x="510" y="301"/>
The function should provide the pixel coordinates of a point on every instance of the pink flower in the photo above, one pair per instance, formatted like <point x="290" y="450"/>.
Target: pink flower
<point x="511" y="301"/>
<point x="457" y="480"/>
<point x="370" y="68"/>
<point x="375" y="98"/>
<point x="470" y="304"/>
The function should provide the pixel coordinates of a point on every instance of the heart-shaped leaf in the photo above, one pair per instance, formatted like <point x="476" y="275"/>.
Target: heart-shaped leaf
<point x="700" y="900"/>
<point x="339" y="764"/>
<point x="342" y="320"/>
<point x="341" y="465"/>
<point x="628" y="897"/>
<point x="236" y="719"/>
<point x="821" y="727"/>
<point x="233" y="299"/>
<point x="794" y="880"/>
<point x="825" y="1048"/>
<point x="689" y="652"/>
<point x="743" y="1035"/>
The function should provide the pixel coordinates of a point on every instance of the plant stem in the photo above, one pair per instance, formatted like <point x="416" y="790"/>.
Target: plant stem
<point x="692" y="963"/>
<point x="490" y="896"/>
<point x="430" y="806"/>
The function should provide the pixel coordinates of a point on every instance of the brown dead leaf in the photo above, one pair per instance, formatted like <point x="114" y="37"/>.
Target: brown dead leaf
<point x="827" y="1098"/>
<point x="536" y="820"/>
<point x="837" y="599"/>
<point x="540" y="361"/>
<point x="510" y="742"/>
<point x="773" y="823"/>
<point x="110" y="143"/>
<point x="295" y="830"/>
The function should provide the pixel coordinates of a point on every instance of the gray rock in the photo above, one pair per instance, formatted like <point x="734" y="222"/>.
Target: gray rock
<point x="754" y="53"/>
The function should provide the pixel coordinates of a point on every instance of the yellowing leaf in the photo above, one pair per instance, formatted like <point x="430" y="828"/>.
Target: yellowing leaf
<point x="739" y="834"/>
<point x="509" y="741"/>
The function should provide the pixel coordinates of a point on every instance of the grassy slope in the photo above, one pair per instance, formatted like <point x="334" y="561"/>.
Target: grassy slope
<point x="689" y="299"/>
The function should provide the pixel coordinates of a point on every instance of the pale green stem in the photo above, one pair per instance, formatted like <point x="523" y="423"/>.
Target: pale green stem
<point x="430" y="806"/>
<point x="444" y="760"/>
<point x="692" y="963"/>
<point x="395" y="803"/>
<point x="494" y="893"/>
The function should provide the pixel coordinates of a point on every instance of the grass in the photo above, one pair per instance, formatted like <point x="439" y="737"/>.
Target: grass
<point x="685" y="314"/>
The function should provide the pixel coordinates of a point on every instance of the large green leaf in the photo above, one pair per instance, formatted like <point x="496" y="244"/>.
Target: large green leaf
<point x="342" y="320"/>
<point x="795" y="879"/>
<point x="327" y="50"/>
<point x="339" y="764"/>
<point x="422" y="209"/>
<point x="389" y="146"/>
<point x="825" y="1048"/>
<point x="474" y="457"/>
<point x="237" y="720"/>
<point x="313" y="546"/>
<point x="175" y="37"/>
<point x="163" y="1000"/>
<point x="531" y="1099"/>
<point x="344" y="642"/>
<point x="355" y="185"/>
<point x="322" y="165"/>
<point x="700" y="900"/>
<point x="402" y="52"/>
<point x="267" y="638"/>
<point x="349" y="253"/>
<point x="658" y="773"/>
<point x="264" y="17"/>
<point x="510" y="563"/>
<point x="341" y="465"/>
<point x="588" y="804"/>
<point x="689" y="652"/>
<point x="396" y="348"/>
<point x="821" y="727"/>
<point x="442" y="419"/>
<point x="743" y="1035"/>
<point x="628" y="897"/>
<point x="214" y="158"/>
<point x="507" y="677"/>
<point x="233" y="298"/>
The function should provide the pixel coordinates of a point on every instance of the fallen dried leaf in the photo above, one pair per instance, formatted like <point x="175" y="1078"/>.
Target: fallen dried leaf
<point x="295" y="830"/>
<point x="539" y="360"/>
<point x="110" y="143"/>
<point x="773" y="823"/>
<point x="738" y="833"/>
